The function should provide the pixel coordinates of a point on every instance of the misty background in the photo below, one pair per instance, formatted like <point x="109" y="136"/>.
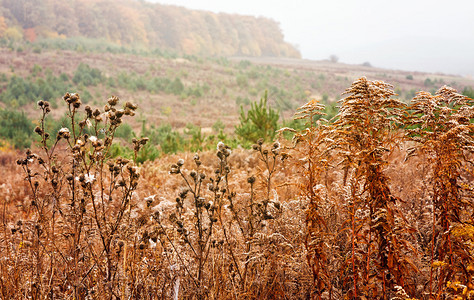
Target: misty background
<point x="430" y="36"/>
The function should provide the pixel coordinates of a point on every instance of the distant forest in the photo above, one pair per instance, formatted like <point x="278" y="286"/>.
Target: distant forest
<point x="144" y="24"/>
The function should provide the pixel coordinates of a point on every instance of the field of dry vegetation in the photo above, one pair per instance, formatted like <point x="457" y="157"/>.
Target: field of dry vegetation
<point x="376" y="203"/>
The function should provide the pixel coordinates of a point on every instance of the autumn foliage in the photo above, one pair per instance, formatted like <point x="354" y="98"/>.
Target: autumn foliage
<point x="147" y="25"/>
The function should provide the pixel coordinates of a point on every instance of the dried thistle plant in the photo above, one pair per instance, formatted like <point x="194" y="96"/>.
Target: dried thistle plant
<point x="207" y="218"/>
<point x="80" y="197"/>
<point x="194" y="223"/>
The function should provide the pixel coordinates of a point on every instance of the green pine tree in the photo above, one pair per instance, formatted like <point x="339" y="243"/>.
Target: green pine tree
<point x="260" y="121"/>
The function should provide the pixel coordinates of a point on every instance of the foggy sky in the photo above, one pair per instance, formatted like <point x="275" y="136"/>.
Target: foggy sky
<point x="416" y="35"/>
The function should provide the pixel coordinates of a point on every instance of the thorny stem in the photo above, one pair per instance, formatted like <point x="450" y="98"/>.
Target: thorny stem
<point x="226" y="183"/>
<point x="177" y="253"/>
<point x="230" y="248"/>
<point x="249" y="239"/>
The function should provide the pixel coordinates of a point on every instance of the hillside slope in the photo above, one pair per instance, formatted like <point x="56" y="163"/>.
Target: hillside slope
<point x="182" y="90"/>
<point x="143" y="24"/>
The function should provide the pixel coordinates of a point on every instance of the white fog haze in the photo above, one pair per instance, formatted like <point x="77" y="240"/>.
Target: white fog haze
<point x="432" y="36"/>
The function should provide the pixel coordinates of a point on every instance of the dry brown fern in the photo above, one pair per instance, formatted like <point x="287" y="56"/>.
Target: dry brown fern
<point x="442" y="127"/>
<point x="365" y="130"/>
<point x="309" y="144"/>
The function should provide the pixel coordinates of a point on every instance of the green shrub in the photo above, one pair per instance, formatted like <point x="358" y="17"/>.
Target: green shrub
<point x="117" y="150"/>
<point x="125" y="131"/>
<point x="242" y="81"/>
<point x="86" y="75"/>
<point x="325" y="97"/>
<point x="243" y="64"/>
<point x="176" y="87"/>
<point x="20" y="91"/>
<point x="260" y="121"/>
<point x="195" y="137"/>
<point x="170" y="141"/>
<point x="16" y="128"/>
<point x="242" y="101"/>
<point x="428" y="82"/>
<point x="469" y="92"/>
<point x="218" y="126"/>
<point x="148" y="152"/>
<point x="36" y="70"/>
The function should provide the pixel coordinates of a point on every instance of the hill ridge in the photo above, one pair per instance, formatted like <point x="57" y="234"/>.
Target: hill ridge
<point x="144" y="24"/>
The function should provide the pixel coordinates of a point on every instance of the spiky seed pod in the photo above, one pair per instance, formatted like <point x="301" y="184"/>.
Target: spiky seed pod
<point x="251" y="179"/>
<point x="174" y="169"/>
<point x="113" y="100"/>
<point x="119" y="113"/>
<point x="67" y="98"/>
<point x="64" y="133"/>
<point x="183" y="193"/>
<point x="128" y="112"/>
<point x="88" y="110"/>
<point x="77" y="104"/>
<point x="220" y="146"/>
<point x="131" y="106"/>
